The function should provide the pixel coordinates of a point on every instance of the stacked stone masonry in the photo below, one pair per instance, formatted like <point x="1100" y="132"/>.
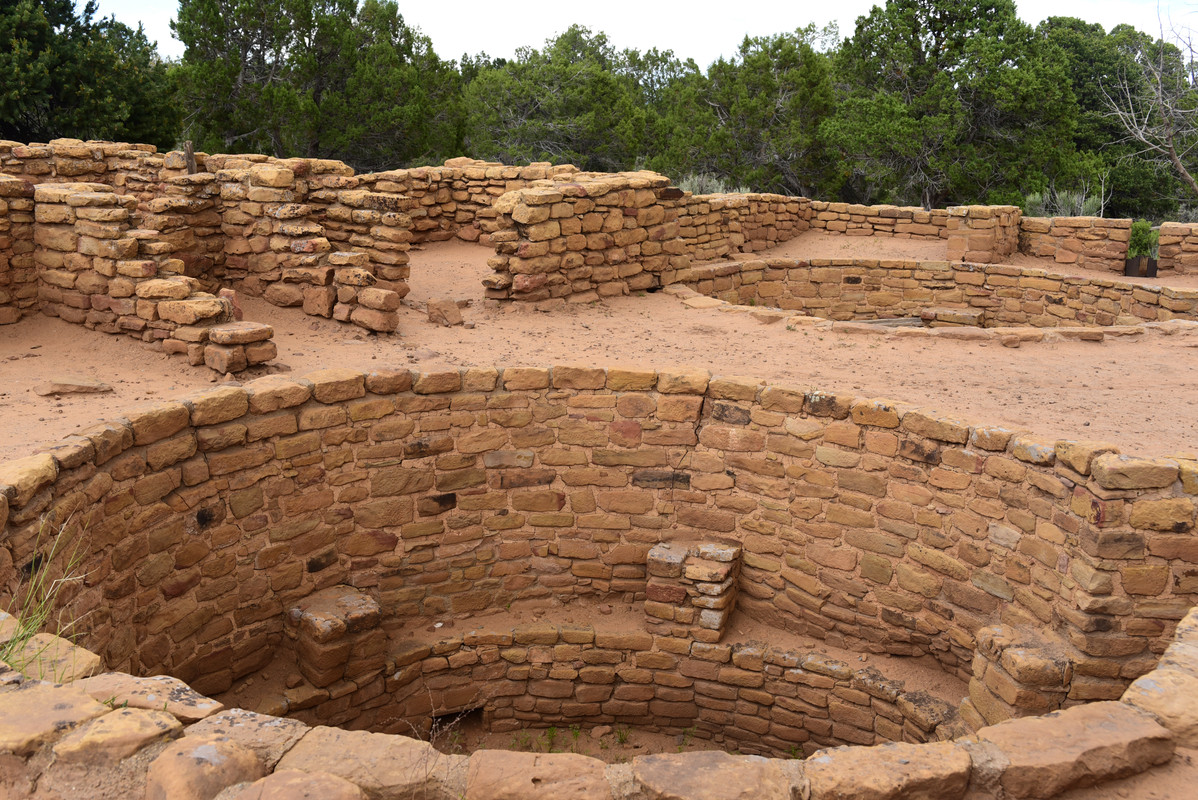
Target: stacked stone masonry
<point x="897" y="221"/>
<point x="1091" y="242"/>
<point x="863" y="523"/>
<point x="93" y="726"/>
<point x="944" y="293"/>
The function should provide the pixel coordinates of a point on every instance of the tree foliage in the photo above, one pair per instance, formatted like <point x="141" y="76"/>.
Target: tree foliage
<point x="575" y="100"/>
<point x="318" y="78"/>
<point x="68" y="74"/>
<point x="946" y="102"/>
<point x="927" y="102"/>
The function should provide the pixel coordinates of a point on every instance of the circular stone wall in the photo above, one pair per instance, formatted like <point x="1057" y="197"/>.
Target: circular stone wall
<point x="320" y="516"/>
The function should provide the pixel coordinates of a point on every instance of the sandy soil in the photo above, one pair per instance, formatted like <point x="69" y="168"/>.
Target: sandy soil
<point x="1137" y="392"/>
<point x="1134" y="391"/>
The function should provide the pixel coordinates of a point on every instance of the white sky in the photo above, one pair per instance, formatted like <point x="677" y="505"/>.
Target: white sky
<point x="700" y="29"/>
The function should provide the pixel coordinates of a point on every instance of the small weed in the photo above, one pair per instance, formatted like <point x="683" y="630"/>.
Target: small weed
<point x="687" y="735"/>
<point x="35" y="603"/>
<point x="603" y="744"/>
<point x="790" y="327"/>
<point x="551" y="739"/>
<point x="622" y="735"/>
<point x="522" y="740"/>
<point x="793" y="751"/>
<point x="575" y="733"/>
<point x="752" y="301"/>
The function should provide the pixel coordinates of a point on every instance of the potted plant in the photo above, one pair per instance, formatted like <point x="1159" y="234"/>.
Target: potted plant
<point x="1141" y="249"/>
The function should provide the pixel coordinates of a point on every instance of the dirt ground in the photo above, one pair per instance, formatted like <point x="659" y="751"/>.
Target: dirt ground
<point x="1137" y="392"/>
<point x="1134" y="391"/>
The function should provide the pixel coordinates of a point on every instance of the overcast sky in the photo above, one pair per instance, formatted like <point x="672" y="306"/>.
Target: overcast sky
<point x="700" y="30"/>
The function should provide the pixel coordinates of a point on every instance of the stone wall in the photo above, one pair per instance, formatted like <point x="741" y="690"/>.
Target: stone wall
<point x="81" y="733"/>
<point x="982" y="234"/>
<point x="451" y="200"/>
<point x="863" y="523"/>
<point x="1091" y="242"/>
<point x="18" y="273"/>
<point x="898" y="221"/>
<point x="986" y="295"/>
<point x="584" y="237"/>
<point x="715" y="226"/>
<point x="1178" y="247"/>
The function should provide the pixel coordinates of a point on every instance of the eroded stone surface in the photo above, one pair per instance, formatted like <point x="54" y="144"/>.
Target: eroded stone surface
<point x="117" y="735"/>
<point x="161" y="692"/>
<point x="713" y="776"/>
<point x="290" y="784"/>
<point x="386" y="767"/>
<point x="1080" y="746"/>
<point x="887" y="772"/>
<point x="46" y="657"/>
<point x="1171" y="696"/>
<point x="503" y="775"/>
<point x="268" y="737"/>
<point x="198" y="768"/>
<point x="35" y="713"/>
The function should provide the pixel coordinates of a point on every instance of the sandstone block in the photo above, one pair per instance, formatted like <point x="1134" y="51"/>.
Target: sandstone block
<point x="379" y="299"/>
<point x="189" y="312"/>
<point x="240" y="333"/>
<point x="375" y="320"/>
<point x="198" y="768"/>
<point x="717" y="776"/>
<point x="161" y="693"/>
<point x="384" y="766"/>
<point x="292" y="784"/>
<point x="1114" y="471"/>
<point x="445" y="313"/>
<point x="22" y="478"/>
<point x="35" y="713"/>
<point x="1080" y="746"/>
<point x="116" y="736"/>
<point x="883" y="772"/>
<point x="225" y="358"/>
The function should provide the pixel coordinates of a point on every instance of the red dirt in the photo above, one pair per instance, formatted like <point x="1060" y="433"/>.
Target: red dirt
<point x="1134" y="391"/>
<point x="1137" y="392"/>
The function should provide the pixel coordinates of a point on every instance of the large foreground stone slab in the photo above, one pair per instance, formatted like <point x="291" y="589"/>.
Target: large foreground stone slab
<point x="715" y="776"/>
<point x="1171" y="695"/>
<point x="504" y="775"/>
<point x="36" y="713"/>
<point x="386" y="767"/>
<point x="938" y="770"/>
<point x="1040" y="757"/>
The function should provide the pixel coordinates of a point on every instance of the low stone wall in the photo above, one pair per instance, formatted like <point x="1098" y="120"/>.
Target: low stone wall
<point x="718" y="225"/>
<point x="451" y="200"/>
<point x="591" y="236"/>
<point x="18" y="273"/>
<point x="900" y="222"/>
<point x="129" y="169"/>
<point x="1091" y="242"/>
<point x="863" y="523"/>
<point x="982" y="234"/>
<point x="1178" y="247"/>
<point x="991" y="295"/>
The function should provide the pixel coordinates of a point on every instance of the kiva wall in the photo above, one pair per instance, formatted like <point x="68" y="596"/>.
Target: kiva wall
<point x="863" y="523"/>
<point x="985" y="295"/>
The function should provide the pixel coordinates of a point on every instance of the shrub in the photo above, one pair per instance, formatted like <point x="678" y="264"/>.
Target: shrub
<point x="1143" y="240"/>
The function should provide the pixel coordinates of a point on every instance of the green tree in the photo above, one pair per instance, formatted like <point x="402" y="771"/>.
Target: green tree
<point x="753" y="120"/>
<point x="573" y="101"/>
<point x="317" y="78"/>
<point x="1105" y="166"/>
<point x="67" y="74"/>
<point x="947" y="101"/>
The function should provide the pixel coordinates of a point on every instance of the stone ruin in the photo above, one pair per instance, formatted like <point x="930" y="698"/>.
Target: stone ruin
<point x="338" y="521"/>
